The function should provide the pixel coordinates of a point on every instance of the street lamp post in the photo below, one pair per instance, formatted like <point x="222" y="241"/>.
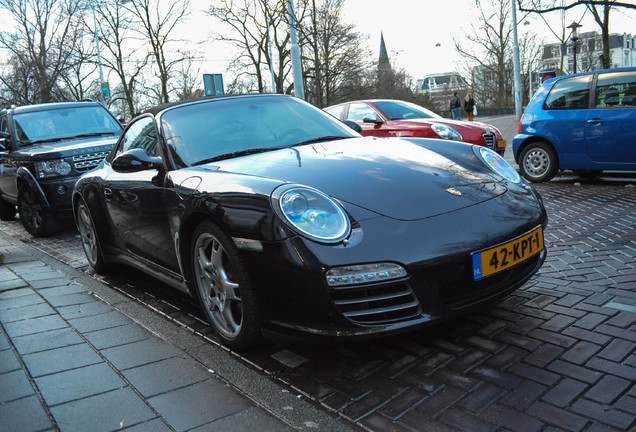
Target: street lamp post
<point x="575" y="37"/>
<point x="269" y="48"/>
<point x="99" y="57"/>
<point x="517" y="67"/>
<point x="295" y="53"/>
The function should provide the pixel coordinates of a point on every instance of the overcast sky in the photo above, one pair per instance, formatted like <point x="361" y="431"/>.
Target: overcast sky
<point x="413" y="28"/>
<point x="412" y="31"/>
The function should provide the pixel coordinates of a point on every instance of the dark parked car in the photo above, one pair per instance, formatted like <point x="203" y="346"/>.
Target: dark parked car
<point x="280" y="218"/>
<point x="394" y="118"/>
<point x="43" y="151"/>
<point x="582" y="122"/>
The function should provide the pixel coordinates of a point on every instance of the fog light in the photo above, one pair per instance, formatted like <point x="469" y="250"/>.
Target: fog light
<point x="364" y="273"/>
<point x="61" y="189"/>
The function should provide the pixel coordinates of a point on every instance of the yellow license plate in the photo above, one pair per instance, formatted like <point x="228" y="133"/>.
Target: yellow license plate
<point x="498" y="258"/>
<point x="501" y="144"/>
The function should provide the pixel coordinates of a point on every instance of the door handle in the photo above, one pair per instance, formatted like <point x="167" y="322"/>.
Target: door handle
<point x="108" y="193"/>
<point x="595" y="121"/>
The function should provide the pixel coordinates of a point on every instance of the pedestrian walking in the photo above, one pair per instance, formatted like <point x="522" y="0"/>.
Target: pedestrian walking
<point x="455" y="105"/>
<point x="469" y="106"/>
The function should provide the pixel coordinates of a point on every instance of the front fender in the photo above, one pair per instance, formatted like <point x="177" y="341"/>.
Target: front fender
<point x="25" y="176"/>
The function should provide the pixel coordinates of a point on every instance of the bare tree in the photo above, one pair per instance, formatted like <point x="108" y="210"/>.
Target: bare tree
<point x="17" y="82"/>
<point x="530" y="52"/>
<point x="254" y="25"/>
<point x="188" y="81"/>
<point x="600" y="9"/>
<point x="78" y="80"/>
<point x="41" y="47"/>
<point x="333" y="57"/>
<point x="157" y="20"/>
<point x="493" y="39"/>
<point x="115" y="36"/>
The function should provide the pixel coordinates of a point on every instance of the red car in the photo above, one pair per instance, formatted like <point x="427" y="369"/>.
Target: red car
<point x="394" y="118"/>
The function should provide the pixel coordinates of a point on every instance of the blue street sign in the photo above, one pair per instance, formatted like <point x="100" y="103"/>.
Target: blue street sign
<point x="213" y="84"/>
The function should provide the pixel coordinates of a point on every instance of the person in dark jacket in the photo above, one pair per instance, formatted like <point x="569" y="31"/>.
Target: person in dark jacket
<point x="455" y="105"/>
<point x="469" y="106"/>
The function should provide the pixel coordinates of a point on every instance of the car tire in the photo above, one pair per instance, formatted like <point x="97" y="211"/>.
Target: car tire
<point x="89" y="237"/>
<point x="538" y="162"/>
<point x="7" y="210"/>
<point x="39" y="221"/>
<point x="223" y="286"/>
<point x="588" y="173"/>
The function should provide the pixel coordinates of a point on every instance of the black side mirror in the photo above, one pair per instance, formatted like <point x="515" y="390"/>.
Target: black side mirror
<point x="136" y="160"/>
<point x="374" y="119"/>
<point x="353" y="125"/>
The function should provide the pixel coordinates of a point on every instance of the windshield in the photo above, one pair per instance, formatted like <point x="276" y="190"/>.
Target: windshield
<point x="395" y="110"/>
<point x="223" y="128"/>
<point x="63" y="123"/>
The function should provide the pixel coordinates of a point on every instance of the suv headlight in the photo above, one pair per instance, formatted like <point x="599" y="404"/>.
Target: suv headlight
<point x="53" y="168"/>
<point x="498" y="164"/>
<point x="447" y="132"/>
<point x="313" y="214"/>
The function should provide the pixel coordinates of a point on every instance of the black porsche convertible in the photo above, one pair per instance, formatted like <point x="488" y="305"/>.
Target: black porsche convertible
<point x="280" y="218"/>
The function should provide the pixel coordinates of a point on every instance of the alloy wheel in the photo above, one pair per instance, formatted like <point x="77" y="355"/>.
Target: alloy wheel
<point x="217" y="286"/>
<point x="87" y="234"/>
<point x="30" y="210"/>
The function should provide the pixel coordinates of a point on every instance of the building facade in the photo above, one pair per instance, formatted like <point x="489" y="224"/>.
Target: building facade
<point x="589" y="53"/>
<point x="441" y="87"/>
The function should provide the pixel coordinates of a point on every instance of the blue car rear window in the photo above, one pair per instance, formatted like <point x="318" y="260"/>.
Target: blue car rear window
<point x="616" y="90"/>
<point x="569" y="93"/>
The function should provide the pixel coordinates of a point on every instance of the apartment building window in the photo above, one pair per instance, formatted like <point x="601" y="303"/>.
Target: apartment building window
<point x="585" y="64"/>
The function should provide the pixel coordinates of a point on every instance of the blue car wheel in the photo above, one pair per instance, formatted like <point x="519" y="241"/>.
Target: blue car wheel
<point x="538" y="162"/>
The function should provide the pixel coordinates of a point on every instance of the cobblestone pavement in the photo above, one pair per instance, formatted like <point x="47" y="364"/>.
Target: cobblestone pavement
<point x="557" y="354"/>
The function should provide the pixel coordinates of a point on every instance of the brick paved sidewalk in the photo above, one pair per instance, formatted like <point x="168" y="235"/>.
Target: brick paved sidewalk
<point x="71" y="361"/>
<point x="557" y="354"/>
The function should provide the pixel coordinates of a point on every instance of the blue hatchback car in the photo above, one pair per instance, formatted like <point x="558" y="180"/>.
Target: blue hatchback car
<point x="584" y="122"/>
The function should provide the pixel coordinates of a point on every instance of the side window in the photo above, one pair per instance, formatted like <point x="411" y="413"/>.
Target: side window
<point x="358" y="111"/>
<point x="616" y="90"/>
<point x="569" y="93"/>
<point x="335" y="111"/>
<point x="4" y="124"/>
<point x="141" y="134"/>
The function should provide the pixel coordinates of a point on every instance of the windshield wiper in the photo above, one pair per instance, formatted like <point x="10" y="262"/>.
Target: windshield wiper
<point x="94" y="134"/>
<point x="235" y="154"/>
<point x="46" y="140"/>
<point x="51" y="140"/>
<point x="322" y="138"/>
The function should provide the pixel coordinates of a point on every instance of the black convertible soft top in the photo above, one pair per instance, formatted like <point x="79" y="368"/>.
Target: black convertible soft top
<point x="157" y="109"/>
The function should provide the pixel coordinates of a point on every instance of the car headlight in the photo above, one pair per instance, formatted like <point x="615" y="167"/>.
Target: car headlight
<point x="314" y="215"/>
<point x="447" y="132"/>
<point x="498" y="164"/>
<point x="53" y="168"/>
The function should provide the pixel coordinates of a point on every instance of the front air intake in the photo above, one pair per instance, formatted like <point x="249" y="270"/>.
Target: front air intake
<point x="379" y="304"/>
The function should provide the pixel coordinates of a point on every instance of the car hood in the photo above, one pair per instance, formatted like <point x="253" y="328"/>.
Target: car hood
<point x="69" y="148"/>
<point x="391" y="177"/>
